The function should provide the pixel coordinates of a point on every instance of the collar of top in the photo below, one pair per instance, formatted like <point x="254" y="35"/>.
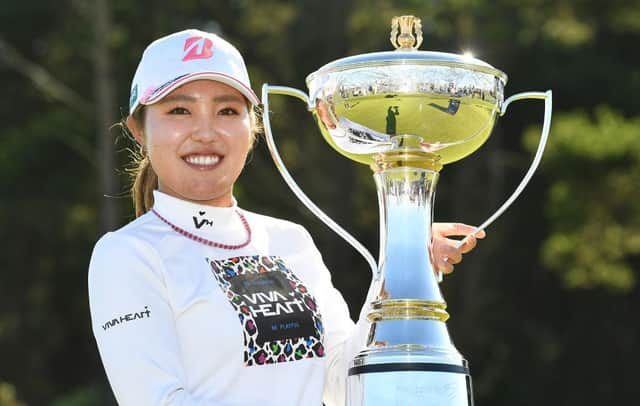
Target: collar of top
<point x="185" y="56"/>
<point x="203" y="220"/>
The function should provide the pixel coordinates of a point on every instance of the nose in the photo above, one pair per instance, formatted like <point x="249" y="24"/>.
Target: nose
<point x="205" y="130"/>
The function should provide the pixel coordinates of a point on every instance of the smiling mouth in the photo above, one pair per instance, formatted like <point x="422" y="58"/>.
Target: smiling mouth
<point x="203" y="161"/>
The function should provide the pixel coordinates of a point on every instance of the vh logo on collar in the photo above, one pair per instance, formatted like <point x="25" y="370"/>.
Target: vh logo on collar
<point x="197" y="48"/>
<point x="199" y="223"/>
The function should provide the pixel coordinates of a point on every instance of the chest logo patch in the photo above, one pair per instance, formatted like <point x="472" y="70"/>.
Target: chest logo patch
<point x="279" y="317"/>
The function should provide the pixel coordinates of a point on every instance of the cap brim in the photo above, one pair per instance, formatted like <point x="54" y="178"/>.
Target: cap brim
<point x="216" y="76"/>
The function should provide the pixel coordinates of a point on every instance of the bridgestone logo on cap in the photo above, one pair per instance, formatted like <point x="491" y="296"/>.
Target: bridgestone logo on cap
<point x="197" y="48"/>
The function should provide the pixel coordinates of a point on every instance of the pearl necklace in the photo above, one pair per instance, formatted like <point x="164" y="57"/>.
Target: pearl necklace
<point x="204" y="241"/>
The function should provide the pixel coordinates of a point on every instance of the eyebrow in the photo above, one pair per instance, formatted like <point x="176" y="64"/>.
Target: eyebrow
<point x="217" y="99"/>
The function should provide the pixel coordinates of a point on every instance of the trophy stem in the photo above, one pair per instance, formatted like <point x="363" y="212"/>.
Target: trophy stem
<point x="408" y="308"/>
<point x="406" y="196"/>
<point x="409" y="355"/>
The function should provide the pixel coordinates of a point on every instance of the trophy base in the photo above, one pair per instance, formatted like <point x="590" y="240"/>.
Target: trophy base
<point x="408" y="378"/>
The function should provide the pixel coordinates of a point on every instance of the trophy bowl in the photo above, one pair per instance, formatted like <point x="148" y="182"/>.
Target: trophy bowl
<point x="435" y="102"/>
<point x="405" y="113"/>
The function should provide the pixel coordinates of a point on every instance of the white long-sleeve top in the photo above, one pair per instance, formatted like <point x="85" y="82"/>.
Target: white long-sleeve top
<point x="178" y="322"/>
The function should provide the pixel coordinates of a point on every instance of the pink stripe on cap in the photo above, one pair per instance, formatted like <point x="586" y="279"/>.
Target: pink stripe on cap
<point x="226" y="79"/>
<point x="147" y="94"/>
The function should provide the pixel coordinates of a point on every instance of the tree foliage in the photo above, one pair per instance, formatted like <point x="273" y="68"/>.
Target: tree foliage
<point x="593" y="162"/>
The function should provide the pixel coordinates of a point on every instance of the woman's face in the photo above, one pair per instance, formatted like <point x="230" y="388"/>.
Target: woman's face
<point x="197" y="138"/>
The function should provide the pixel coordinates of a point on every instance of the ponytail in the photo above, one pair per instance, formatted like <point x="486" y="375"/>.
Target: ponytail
<point x="144" y="178"/>
<point x="144" y="184"/>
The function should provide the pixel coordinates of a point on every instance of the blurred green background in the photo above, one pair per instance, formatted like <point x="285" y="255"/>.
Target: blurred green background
<point x="544" y="309"/>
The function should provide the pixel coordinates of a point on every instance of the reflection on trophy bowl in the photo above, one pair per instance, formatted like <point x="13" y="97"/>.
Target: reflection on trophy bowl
<point x="434" y="102"/>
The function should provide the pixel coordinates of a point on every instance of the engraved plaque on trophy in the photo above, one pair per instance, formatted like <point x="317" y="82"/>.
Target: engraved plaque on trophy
<point x="406" y="113"/>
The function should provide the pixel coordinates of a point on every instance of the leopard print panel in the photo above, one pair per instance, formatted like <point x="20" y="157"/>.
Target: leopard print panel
<point x="279" y="316"/>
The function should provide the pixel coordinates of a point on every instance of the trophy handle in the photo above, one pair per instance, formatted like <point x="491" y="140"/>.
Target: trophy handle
<point x="275" y="155"/>
<point x="546" y="96"/>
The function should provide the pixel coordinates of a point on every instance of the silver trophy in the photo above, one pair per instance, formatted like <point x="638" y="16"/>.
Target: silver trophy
<point x="406" y="113"/>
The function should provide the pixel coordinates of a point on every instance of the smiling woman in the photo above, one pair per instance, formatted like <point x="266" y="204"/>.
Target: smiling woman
<point x="145" y="179"/>
<point x="198" y="301"/>
<point x="197" y="139"/>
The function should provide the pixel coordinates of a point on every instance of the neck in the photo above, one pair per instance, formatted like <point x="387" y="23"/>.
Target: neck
<point x="224" y="200"/>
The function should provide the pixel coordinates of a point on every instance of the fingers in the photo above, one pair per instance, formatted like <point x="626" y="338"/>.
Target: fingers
<point x="453" y="256"/>
<point x="445" y="267"/>
<point x="469" y="244"/>
<point x="445" y="264"/>
<point x="455" y="229"/>
<point x="446" y="252"/>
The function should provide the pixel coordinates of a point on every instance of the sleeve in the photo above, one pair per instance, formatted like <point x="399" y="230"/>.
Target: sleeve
<point x="343" y="339"/>
<point x="133" y="324"/>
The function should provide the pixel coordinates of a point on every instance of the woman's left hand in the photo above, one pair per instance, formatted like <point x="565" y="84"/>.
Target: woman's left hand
<point x="444" y="252"/>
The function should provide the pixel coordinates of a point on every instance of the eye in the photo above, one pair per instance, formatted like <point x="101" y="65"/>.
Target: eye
<point x="178" y="110"/>
<point x="228" y="111"/>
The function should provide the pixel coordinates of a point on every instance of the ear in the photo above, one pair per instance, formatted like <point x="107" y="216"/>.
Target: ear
<point x="136" y="130"/>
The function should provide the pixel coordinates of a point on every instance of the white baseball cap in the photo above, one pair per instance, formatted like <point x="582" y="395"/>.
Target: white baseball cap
<point x="185" y="56"/>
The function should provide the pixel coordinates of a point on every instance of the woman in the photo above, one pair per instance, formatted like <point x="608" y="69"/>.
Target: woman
<point x="198" y="301"/>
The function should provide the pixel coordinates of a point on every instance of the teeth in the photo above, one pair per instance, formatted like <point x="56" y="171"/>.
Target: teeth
<point x="205" y="160"/>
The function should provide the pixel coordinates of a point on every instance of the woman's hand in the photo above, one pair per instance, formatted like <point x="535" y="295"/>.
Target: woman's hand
<point x="444" y="252"/>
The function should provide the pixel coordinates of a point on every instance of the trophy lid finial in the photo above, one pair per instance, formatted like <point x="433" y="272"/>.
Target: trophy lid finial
<point x="402" y="33"/>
